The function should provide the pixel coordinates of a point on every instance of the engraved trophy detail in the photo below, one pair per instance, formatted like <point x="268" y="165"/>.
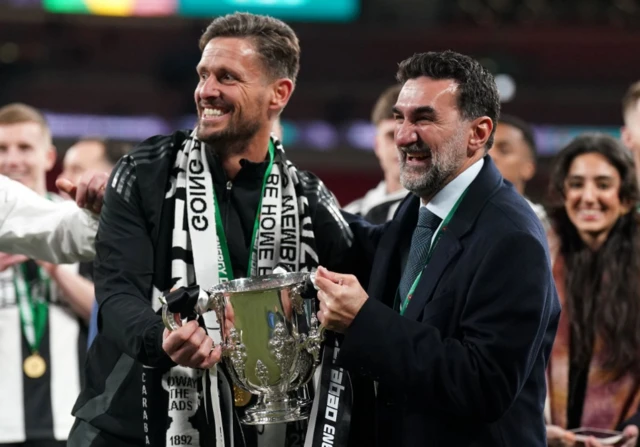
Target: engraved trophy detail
<point x="270" y="342"/>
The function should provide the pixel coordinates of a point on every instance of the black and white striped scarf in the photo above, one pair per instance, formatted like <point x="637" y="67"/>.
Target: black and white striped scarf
<point x="285" y="237"/>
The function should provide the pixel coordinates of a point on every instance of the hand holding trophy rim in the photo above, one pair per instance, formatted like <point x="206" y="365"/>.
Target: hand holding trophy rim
<point x="271" y="341"/>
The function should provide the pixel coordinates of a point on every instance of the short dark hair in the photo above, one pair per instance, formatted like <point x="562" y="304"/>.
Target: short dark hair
<point x="631" y="97"/>
<point x="383" y="110"/>
<point x="113" y="150"/>
<point x="276" y="42"/>
<point x="524" y="128"/>
<point x="478" y="91"/>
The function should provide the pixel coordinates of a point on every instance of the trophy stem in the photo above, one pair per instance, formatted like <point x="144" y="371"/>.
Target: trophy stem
<point x="278" y="409"/>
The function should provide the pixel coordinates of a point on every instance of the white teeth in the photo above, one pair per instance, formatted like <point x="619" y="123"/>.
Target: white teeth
<point x="212" y="112"/>
<point x="591" y="213"/>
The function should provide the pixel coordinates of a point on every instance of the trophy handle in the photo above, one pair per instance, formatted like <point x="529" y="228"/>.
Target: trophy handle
<point x="171" y="321"/>
<point x="312" y="342"/>
<point x="218" y="302"/>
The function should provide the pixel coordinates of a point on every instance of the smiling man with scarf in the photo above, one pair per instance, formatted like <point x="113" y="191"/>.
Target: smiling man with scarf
<point x="185" y="212"/>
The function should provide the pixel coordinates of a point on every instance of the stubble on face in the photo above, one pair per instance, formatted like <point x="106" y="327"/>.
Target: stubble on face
<point x="444" y="162"/>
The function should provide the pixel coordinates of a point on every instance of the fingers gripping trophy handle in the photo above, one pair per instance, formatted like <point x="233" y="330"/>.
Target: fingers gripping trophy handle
<point x="321" y="328"/>
<point x="171" y="321"/>
<point x="315" y="337"/>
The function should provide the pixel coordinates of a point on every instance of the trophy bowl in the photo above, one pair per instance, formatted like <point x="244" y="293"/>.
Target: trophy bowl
<point x="270" y="343"/>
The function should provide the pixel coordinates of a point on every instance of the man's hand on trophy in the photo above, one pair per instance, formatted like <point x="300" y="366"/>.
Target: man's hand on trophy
<point x="191" y="346"/>
<point x="341" y="298"/>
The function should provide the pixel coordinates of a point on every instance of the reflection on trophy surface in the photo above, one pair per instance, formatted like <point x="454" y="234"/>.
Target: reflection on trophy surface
<point x="271" y="342"/>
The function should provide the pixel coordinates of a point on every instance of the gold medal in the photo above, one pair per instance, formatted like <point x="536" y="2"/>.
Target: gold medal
<point x="34" y="366"/>
<point x="240" y="396"/>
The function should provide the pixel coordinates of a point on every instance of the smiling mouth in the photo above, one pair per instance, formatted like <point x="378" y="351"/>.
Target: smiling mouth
<point x="214" y="112"/>
<point x="590" y="214"/>
<point x="16" y="175"/>
<point x="416" y="156"/>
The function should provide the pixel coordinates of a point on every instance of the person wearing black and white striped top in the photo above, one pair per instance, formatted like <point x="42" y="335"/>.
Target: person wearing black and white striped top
<point x="43" y="308"/>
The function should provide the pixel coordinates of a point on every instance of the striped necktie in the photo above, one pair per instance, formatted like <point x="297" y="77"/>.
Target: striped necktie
<point x="420" y="245"/>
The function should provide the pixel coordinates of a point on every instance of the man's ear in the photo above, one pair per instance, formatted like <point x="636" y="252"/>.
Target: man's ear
<point x="51" y="157"/>
<point x="280" y="94"/>
<point x="528" y="170"/>
<point x="625" y="136"/>
<point x="480" y="132"/>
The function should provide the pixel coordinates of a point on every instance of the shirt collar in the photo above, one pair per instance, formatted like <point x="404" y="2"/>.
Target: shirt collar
<point x="442" y="203"/>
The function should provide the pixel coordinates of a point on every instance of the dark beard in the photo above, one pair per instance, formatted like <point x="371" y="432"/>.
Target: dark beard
<point x="429" y="182"/>
<point x="231" y="141"/>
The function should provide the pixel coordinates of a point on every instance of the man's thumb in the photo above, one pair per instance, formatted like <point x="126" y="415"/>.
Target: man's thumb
<point x="65" y="185"/>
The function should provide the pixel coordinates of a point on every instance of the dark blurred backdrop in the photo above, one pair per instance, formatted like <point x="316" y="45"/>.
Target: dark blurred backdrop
<point x="562" y="65"/>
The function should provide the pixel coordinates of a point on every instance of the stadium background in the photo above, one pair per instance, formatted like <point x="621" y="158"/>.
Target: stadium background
<point x="125" y="69"/>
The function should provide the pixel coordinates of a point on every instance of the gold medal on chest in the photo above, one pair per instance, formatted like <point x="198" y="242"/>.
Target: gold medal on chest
<point x="34" y="366"/>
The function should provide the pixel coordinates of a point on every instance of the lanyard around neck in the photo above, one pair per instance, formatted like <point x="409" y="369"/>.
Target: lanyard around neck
<point x="445" y="222"/>
<point x="225" y="269"/>
<point x="33" y="312"/>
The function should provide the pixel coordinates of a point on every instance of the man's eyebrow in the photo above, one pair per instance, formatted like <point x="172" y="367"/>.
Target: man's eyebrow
<point x="422" y="110"/>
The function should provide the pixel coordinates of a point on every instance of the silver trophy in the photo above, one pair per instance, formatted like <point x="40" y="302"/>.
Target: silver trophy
<point x="270" y="342"/>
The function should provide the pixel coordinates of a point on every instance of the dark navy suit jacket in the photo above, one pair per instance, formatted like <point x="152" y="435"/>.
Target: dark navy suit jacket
<point x="465" y="365"/>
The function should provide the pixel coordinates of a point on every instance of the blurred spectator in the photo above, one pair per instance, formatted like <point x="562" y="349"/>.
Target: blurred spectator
<point x="594" y="369"/>
<point x="42" y="338"/>
<point x="631" y="128"/>
<point x="514" y="153"/>
<point x="91" y="154"/>
<point x="34" y="226"/>
<point x="86" y="155"/>
<point x="380" y="203"/>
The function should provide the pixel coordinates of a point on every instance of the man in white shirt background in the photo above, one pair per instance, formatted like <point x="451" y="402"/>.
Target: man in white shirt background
<point x="381" y="202"/>
<point x="42" y="307"/>
<point x="55" y="232"/>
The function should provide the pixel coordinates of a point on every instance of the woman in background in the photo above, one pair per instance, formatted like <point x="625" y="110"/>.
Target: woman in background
<point x="594" y="369"/>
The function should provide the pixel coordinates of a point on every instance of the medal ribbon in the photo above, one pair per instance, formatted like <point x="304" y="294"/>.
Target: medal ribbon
<point x="33" y="313"/>
<point x="225" y="269"/>
<point x="405" y="302"/>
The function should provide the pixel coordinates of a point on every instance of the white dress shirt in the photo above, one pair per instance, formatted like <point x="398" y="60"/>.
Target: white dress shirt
<point x="33" y="226"/>
<point x="443" y="202"/>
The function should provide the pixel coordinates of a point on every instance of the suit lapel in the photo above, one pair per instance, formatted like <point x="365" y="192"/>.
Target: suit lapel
<point x="481" y="189"/>
<point x="447" y="249"/>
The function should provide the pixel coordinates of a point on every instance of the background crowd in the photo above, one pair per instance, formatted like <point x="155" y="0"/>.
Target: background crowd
<point x="80" y="91"/>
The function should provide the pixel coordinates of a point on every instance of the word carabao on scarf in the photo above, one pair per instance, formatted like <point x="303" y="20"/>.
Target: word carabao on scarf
<point x="331" y="425"/>
<point x="333" y="402"/>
